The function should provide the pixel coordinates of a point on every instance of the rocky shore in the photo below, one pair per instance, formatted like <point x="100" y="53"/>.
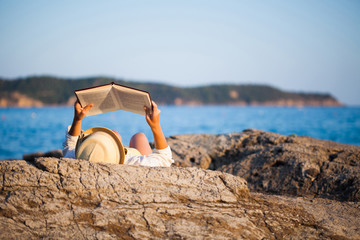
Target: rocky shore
<point x="248" y="185"/>
<point x="274" y="163"/>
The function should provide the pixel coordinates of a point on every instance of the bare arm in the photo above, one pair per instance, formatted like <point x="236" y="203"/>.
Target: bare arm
<point x="79" y="114"/>
<point x="154" y="122"/>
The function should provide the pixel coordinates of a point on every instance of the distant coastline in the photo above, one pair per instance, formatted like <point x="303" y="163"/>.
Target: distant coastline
<point x="23" y="101"/>
<point x="51" y="91"/>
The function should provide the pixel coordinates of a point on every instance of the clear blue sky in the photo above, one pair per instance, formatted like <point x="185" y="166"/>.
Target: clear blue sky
<point x="294" y="45"/>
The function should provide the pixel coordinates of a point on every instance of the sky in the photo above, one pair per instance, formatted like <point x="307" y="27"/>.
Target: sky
<point x="301" y="46"/>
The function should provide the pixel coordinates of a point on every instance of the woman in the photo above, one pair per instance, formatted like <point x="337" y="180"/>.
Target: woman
<point x="139" y="153"/>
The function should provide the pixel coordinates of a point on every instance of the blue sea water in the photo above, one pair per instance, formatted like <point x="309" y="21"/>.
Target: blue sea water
<point x="28" y="130"/>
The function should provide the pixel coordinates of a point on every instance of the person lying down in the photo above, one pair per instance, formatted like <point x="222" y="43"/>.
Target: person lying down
<point x="100" y="144"/>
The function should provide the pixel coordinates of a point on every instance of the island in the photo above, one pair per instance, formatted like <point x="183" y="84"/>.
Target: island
<point x="48" y="90"/>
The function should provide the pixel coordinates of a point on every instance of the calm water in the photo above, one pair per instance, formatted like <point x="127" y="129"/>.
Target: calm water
<point x="42" y="129"/>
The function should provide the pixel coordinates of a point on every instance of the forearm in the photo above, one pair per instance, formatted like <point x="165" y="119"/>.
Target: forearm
<point x="79" y="113"/>
<point x="159" y="138"/>
<point x="75" y="129"/>
<point x="153" y="119"/>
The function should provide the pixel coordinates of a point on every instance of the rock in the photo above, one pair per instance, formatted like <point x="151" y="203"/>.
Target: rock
<point x="56" y="198"/>
<point x="54" y="153"/>
<point x="274" y="163"/>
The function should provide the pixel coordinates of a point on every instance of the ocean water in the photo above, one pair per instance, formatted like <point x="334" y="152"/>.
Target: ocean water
<point x="28" y="130"/>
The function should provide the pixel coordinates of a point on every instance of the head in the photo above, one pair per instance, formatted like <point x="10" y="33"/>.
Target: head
<point x="100" y="145"/>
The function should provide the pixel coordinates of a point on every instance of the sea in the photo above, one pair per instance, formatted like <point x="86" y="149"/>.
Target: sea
<point x="29" y="130"/>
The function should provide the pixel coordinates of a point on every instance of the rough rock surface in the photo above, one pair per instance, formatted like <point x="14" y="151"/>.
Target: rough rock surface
<point x="274" y="163"/>
<point x="55" y="198"/>
<point x="316" y="185"/>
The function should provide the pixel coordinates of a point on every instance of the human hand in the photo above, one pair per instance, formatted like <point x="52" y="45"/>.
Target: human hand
<point x="153" y="119"/>
<point x="80" y="112"/>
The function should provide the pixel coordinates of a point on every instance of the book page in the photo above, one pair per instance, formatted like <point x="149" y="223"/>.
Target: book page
<point x="101" y="98"/>
<point x="132" y="100"/>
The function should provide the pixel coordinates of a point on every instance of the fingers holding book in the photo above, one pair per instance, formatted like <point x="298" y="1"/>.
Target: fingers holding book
<point x="80" y="112"/>
<point x="153" y="118"/>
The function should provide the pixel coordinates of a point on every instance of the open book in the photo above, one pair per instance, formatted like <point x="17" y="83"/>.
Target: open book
<point x="112" y="97"/>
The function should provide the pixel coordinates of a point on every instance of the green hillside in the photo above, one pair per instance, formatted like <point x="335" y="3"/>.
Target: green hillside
<point x="52" y="90"/>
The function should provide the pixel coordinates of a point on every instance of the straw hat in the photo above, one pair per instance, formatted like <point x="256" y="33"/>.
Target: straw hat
<point x="100" y="144"/>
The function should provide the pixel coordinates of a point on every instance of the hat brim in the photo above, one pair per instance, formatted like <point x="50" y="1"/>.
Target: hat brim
<point x="90" y="131"/>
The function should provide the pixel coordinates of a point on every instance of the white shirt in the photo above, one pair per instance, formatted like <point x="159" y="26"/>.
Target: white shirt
<point x="158" y="158"/>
